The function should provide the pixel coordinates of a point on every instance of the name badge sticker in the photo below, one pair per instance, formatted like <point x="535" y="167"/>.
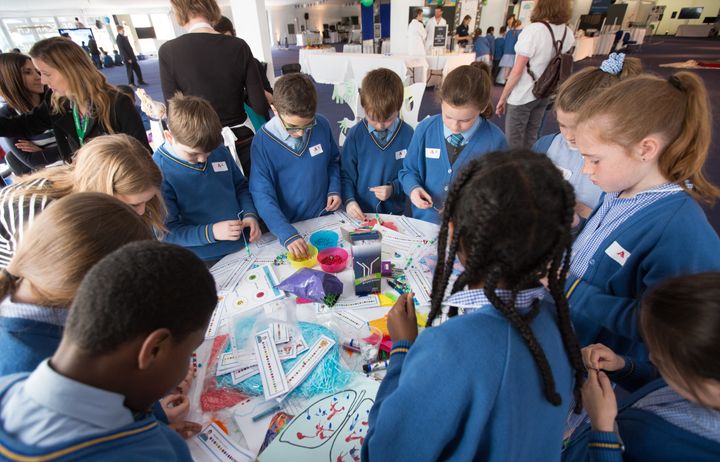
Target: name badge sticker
<point x="219" y="167"/>
<point x="315" y="150"/>
<point x="617" y="253"/>
<point x="432" y="153"/>
<point x="401" y="154"/>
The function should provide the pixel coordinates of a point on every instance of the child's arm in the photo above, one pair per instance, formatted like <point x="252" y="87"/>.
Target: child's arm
<point x="180" y="233"/>
<point x="262" y="189"/>
<point x="349" y="178"/>
<point x="600" y="403"/>
<point x="334" y="186"/>
<point x="623" y="370"/>
<point x="412" y="173"/>
<point x="242" y="191"/>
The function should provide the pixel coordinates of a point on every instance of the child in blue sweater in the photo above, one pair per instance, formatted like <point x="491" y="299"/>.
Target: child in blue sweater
<point x="498" y="355"/>
<point x="296" y="163"/>
<point x="572" y="95"/>
<point x="644" y="141"/>
<point x="375" y="148"/>
<point x="445" y="143"/>
<point x="673" y="418"/>
<point x="498" y="51"/>
<point x="38" y="285"/>
<point x="209" y="204"/>
<point x="131" y="330"/>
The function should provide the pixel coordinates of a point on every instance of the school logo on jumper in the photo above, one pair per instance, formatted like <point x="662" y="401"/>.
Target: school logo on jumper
<point x="401" y="154"/>
<point x="432" y="153"/>
<point x="219" y="167"/>
<point x="315" y="150"/>
<point x="617" y="253"/>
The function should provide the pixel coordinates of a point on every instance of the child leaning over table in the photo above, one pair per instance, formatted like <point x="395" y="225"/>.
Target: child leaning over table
<point x="296" y="163"/>
<point x="209" y="204"/>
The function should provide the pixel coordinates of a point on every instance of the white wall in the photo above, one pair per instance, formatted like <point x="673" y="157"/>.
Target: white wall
<point x="399" y="20"/>
<point x="493" y="15"/>
<point x="281" y="16"/>
<point x="669" y="26"/>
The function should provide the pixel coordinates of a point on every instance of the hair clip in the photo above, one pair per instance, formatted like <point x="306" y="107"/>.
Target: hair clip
<point x="613" y="65"/>
<point x="675" y="82"/>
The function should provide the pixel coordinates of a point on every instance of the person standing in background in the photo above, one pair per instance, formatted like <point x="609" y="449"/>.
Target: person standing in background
<point x="128" y="57"/>
<point x="416" y="35"/>
<point x="433" y="22"/>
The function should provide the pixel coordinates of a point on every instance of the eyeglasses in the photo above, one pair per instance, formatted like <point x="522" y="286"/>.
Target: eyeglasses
<point x="291" y="129"/>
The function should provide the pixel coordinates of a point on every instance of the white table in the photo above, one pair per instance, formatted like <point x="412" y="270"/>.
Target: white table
<point x="447" y="62"/>
<point x="352" y="48"/>
<point x="342" y="67"/>
<point x="308" y="38"/>
<point x="637" y="34"/>
<point x="254" y="432"/>
<point x="585" y="47"/>
<point x="305" y="53"/>
<point x="694" y="30"/>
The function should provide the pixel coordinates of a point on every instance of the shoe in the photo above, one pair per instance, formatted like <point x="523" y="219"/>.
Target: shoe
<point x="143" y="83"/>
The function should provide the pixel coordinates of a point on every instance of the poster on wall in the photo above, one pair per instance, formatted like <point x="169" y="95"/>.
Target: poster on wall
<point x="526" y="8"/>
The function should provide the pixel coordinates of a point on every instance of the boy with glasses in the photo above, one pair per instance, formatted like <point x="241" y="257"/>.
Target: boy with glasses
<point x="296" y="163"/>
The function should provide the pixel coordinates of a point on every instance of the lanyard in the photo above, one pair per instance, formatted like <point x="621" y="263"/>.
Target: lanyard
<point x="80" y="124"/>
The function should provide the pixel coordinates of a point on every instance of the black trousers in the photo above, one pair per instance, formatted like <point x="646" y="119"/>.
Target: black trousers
<point x="130" y="67"/>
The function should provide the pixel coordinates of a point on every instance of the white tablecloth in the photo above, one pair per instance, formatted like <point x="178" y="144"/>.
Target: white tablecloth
<point x="585" y="47"/>
<point x="352" y="48"/>
<point x="693" y="30"/>
<point x="637" y="34"/>
<point x="305" y="53"/>
<point x="448" y="62"/>
<point x="340" y="67"/>
<point x="254" y="432"/>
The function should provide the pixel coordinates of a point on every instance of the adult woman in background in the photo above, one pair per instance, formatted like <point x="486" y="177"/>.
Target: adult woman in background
<point x="214" y="66"/>
<point x="22" y="90"/>
<point x="117" y="165"/>
<point x="83" y="105"/>
<point x="534" y="49"/>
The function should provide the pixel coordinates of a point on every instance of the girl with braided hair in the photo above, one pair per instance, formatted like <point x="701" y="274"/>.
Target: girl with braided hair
<point x="508" y="364"/>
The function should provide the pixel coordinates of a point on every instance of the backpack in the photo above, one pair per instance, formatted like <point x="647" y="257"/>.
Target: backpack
<point x="558" y="70"/>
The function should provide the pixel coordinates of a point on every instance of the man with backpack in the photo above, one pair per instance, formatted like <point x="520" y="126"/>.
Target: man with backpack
<point x="543" y="61"/>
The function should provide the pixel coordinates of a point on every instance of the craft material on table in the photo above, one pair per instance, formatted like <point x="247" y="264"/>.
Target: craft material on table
<point x="324" y="239"/>
<point x="332" y="428"/>
<point x="229" y="271"/>
<point x="309" y="262"/>
<point x="257" y="288"/>
<point x="271" y="371"/>
<point x="215" y="444"/>
<point x="278" y="422"/>
<point x="313" y="285"/>
<point x="349" y="303"/>
<point x="366" y="251"/>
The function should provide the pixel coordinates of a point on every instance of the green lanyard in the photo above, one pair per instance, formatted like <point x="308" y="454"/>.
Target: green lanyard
<point x="80" y="126"/>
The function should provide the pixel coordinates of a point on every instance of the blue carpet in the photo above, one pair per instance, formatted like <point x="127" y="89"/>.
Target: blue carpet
<point x="656" y="51"/>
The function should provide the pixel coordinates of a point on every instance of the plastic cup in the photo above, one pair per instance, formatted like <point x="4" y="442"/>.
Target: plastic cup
<point x="332" y="260"/>
<point x="324" y="239"/>
<point x="309" y="262"/>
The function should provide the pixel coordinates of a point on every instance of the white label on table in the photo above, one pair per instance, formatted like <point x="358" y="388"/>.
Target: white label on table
<point x="312" y="358"/>
<point x="271" y="371"/>
<point x="300" y="345"/>
<point x="350" y="319"/>
<point x="280" y="332"/>
<point x="233" y="361"/>
<point x="243" y="374"/>
<point x="349" y="303"/>
<point x="420" y="285"/>
<point x="219" y="167"/>
<point x="215" y="443"/>
<point x="432" y="153"/>
<point x="315" y="150"/>
<point x="286" y="351"/>
<point x="215" y="319"/>
<point x="400" y="154"/>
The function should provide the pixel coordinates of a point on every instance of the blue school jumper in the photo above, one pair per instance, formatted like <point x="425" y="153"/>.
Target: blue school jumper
<point x="200" y="195"/>
<point x="366" y="163"/>
<point x="427" y="164"/>
<point x="499" y="50"/>
<point x="670" y="237"/>
<point x="654" y="423"/>
<point x="289" y="186"/>
<point x="570" y="162"/>
<point x="466" y="386"/>
<point x="143" y="440"/>
<point x="482" y="47"/>
<point x="491" y="43"/>
<point x="511" y="37"/>
<point x="25" y="343"/>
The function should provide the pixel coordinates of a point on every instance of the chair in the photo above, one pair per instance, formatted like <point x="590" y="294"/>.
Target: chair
<point x="411" y="103"/>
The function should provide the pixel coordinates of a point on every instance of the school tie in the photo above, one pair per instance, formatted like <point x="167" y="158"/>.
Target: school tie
<point x="296" y="143"/>
<point x="381" y="136"/>
<point x="455" y="139"/>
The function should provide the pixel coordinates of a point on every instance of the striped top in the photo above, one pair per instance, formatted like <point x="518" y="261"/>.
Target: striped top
<point x="17" y="211"/>
<point x="613" y="212"/>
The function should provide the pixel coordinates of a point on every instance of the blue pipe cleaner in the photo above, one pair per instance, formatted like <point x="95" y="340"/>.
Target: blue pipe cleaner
<point x="613" y="65"/>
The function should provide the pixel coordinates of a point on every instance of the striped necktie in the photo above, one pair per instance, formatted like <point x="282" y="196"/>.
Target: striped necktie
<point x="297" y="143"/>
<point x="455" y="139"/>
<point x="381" y="136"/>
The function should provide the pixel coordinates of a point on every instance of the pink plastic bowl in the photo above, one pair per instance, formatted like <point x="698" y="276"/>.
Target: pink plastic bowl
<point x="339" y="257"/>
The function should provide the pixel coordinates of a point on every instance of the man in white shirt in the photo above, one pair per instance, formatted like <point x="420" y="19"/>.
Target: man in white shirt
<point x="437" y="20"/>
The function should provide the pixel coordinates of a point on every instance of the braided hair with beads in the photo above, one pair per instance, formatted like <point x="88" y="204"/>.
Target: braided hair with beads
<point x="510" y="215"/>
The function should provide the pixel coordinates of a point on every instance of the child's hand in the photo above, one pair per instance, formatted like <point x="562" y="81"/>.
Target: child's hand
<point x="382" y="193"/>
<point x="227" y="230"/>
<point x="402" y="321"/>
<point x="500" y="109"/>
<point x="421" y="199"/>
<point x="600" y="357"/>
<point x="599" y="401"/>
<point x="299" y="249"/>
<point x="184" y="386"/>
<point x="254" y="228"/>
<point x="333" y="202"/>
<point x="176" y="407"/>
<point x="27" y="146"/>
<point x="186" y="429"/>
<point x="354" y="210"/>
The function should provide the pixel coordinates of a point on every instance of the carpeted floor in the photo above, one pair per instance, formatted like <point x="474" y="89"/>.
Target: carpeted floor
<point x="655" y="51"/>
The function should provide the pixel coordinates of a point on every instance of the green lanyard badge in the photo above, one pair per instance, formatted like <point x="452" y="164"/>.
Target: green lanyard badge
<point x="81" y="124"/>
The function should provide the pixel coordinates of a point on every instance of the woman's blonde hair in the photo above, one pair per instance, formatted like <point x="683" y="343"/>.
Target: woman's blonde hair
<point x="582" y="85"/>
<point x="110" y="164"/>
<point x="65" y="241"/>
<point x="677" y="109"/>
<point x="552" y="11"/>
<point x="12" y="85"/>
<point x="87" y="87"/>
<point x="207" y="9"/>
